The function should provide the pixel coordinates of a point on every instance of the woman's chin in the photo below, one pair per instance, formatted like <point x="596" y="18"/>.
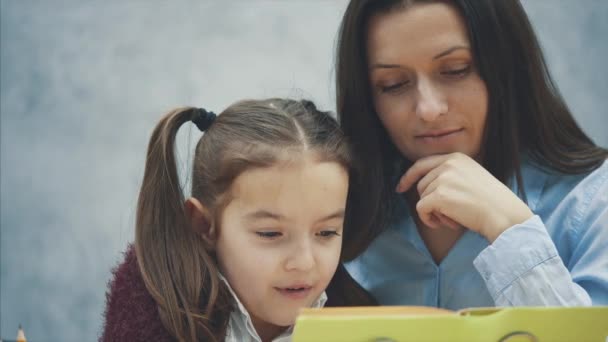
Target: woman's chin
<point x="421" y="151"/>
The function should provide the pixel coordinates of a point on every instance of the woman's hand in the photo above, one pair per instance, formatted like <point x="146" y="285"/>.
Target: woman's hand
<point x="455" y="190"/>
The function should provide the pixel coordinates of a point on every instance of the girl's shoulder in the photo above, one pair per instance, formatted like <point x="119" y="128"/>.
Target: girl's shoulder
<point x="131" y="313"/>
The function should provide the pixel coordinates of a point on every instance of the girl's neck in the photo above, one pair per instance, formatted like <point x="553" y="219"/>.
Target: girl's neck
<point x="267" y="331"/>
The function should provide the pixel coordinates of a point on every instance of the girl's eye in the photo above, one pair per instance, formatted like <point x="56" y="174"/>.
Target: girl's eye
<point x="457" y="72"/>
<point x="269" y="235"/>
<point x="328" y="233"/>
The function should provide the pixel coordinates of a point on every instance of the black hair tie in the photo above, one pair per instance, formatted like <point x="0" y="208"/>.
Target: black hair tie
<point x="203" y="119"/>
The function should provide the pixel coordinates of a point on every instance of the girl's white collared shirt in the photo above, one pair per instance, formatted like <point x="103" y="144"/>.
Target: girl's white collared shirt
<point x="241" y="329"/>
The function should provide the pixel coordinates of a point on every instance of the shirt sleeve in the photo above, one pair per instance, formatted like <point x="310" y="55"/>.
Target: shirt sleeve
<point x="523" y="268"/>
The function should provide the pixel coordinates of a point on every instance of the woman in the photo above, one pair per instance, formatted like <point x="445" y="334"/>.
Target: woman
<point x="476" y="186"/>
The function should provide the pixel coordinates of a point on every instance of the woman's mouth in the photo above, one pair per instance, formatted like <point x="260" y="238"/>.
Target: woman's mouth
<point x="439" y="136"/>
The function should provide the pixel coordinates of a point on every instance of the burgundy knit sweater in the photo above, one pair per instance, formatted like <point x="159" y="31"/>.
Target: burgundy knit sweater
<point x="131" y="312"/>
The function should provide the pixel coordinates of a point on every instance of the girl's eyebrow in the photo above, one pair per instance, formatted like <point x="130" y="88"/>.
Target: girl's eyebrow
<point x="335" y="215"/>
<point x="265" y="214"/>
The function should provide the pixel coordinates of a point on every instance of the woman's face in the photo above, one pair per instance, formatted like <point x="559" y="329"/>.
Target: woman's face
<point x="426" y="90"/>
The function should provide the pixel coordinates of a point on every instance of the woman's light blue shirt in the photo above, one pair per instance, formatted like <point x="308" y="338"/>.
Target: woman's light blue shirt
<point x="557" y="257"/>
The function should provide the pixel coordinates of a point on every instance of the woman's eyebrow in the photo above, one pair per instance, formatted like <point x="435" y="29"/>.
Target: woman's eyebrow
<point x="441" y="54"/>
<point x="385" y="66"/>
<point x="450" y="50"/>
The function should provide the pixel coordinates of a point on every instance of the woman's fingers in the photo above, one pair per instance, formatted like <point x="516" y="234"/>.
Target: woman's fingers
<point x="464" y="194"/>
<point x="456" y="191"/>
<point x="433" y="222"/>
<point x="420" y="169"/>
<point x="430" y="181"/>
<point x="428" y="210"/>
<point x="432" y="212"/>
<point x="448" y="222"/>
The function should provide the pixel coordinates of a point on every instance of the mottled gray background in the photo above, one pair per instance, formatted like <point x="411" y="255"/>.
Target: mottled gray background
<point x="83" y="83"/>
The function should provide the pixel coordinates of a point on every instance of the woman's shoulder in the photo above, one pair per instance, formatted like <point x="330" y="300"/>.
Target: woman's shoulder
<point x="587" y="183"/>
<point x="541" y="179"/>
<point x="591" y="194"/>
<point x="131" y="313"/>
<point x="566" y="198"/>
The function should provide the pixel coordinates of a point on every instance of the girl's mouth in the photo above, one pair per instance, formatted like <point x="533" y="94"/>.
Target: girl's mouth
<point x="295" y="292"/>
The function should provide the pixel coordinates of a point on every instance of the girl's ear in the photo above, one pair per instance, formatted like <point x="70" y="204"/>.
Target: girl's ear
<point x="200" y="220"/>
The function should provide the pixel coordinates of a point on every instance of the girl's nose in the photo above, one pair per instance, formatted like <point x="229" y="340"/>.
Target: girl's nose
<point x="301" y="258"/>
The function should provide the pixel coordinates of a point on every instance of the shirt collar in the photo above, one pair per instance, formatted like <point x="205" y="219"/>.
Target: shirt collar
<point x="240" y="318"/>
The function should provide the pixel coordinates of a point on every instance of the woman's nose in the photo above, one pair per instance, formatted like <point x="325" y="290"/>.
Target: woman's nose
<point x="431" y="103"/>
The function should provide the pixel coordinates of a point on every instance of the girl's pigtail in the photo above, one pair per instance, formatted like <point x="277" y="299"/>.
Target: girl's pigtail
<point x="175" y="280"/>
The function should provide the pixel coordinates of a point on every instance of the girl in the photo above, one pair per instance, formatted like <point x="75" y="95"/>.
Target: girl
<point x="478" y="186"/>
<point x="259" y="239"/>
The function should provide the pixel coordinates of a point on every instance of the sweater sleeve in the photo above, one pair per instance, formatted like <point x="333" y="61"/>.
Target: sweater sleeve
<point x="131" y="313"/>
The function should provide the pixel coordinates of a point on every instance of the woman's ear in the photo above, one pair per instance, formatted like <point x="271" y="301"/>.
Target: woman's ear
<point x="200" y="220"/>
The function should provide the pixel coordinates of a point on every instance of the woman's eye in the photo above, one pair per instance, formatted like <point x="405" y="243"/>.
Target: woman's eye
<point x="393" y="87"/>
<point x="328" y="233"/>
<point x="457" y="72"/>
<point x="269" y="235"/>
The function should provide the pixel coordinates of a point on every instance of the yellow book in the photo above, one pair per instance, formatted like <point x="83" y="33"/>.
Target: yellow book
<point x="412" y="323"/>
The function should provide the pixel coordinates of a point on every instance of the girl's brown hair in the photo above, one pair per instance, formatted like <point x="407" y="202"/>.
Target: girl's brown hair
<point x="177" y="267"/>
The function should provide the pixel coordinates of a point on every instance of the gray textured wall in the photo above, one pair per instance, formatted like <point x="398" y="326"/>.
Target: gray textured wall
<point x="83" y="83"/>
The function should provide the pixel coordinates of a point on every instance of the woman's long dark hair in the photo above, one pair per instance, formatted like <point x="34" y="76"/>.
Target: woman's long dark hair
<point x="526" y="113"/>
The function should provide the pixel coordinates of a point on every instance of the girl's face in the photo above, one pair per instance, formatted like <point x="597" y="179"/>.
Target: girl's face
<point x="280" y="237"/>
<point x="426" y="89"/>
